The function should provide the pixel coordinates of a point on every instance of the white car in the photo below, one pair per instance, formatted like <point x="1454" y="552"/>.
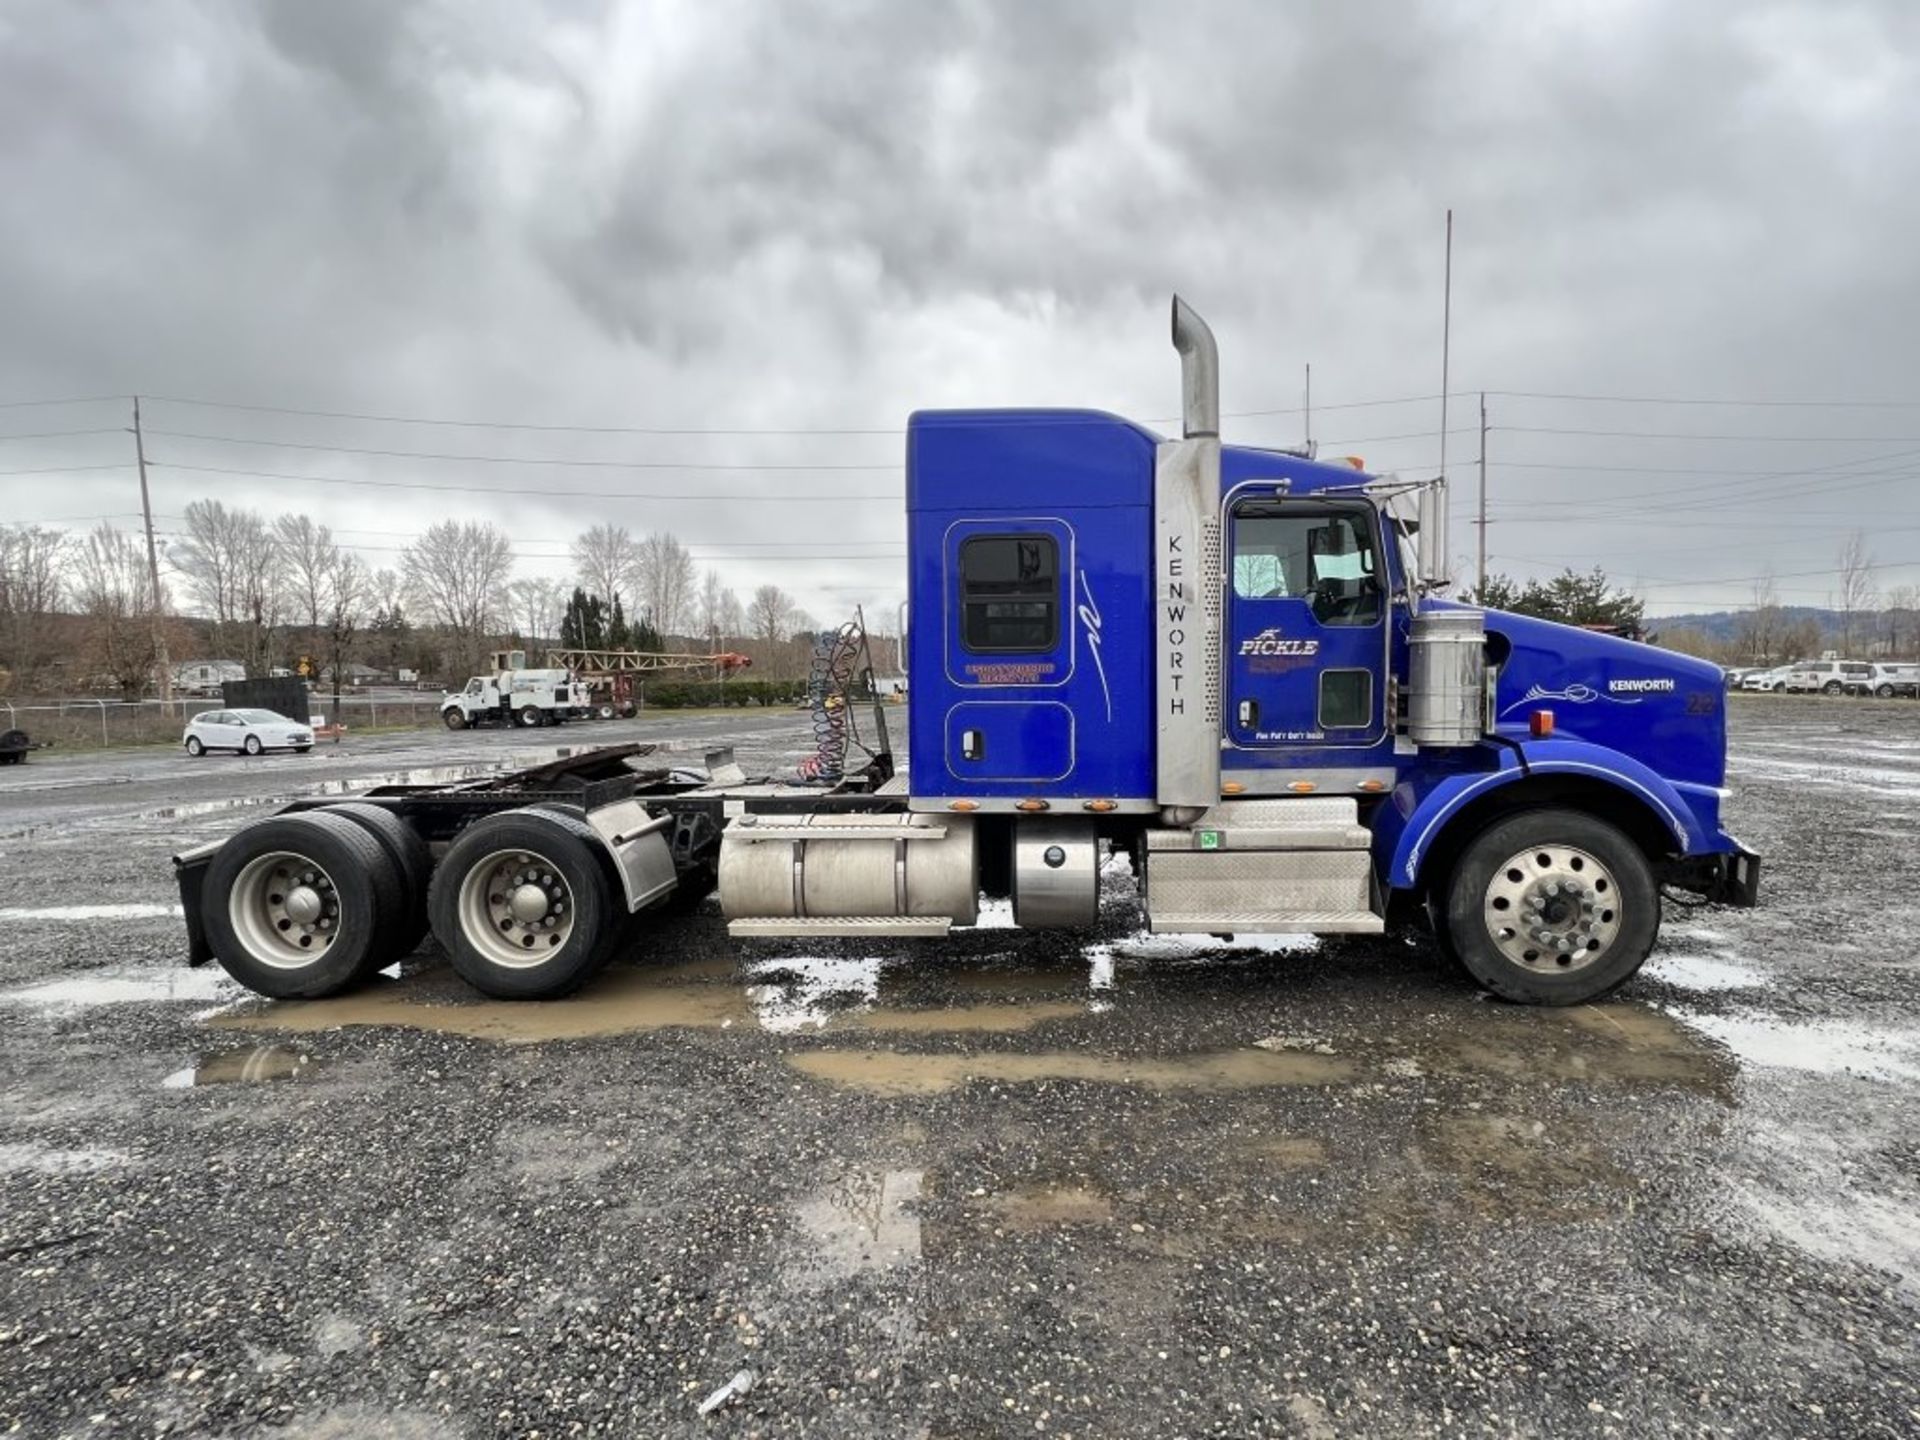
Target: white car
<point x="1774" y="679"/>
<point x="1894" y="679"/>
<point x="248" y="731"/>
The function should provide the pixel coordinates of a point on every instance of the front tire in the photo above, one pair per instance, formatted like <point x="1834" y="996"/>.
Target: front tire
<point x="252" y="745"/>
<point x="1832" y="687"/>
<point x="522" y="906"/>
<point x="455" y="720"/>
<point x="1552" y="907"/>
<point x="194" y="747"/>
<point x="297" y="903"/>
<point x="1885" y="692"/>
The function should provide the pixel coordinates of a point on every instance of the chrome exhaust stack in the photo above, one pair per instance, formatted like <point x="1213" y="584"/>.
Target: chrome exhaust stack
<point x="1189" y="582"/>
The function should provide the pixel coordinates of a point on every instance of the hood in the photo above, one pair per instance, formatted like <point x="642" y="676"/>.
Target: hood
<point x="1667" y="710"/>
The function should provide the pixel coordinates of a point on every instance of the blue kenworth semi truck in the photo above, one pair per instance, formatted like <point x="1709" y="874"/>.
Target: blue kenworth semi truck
<point x="1236" y="666"/>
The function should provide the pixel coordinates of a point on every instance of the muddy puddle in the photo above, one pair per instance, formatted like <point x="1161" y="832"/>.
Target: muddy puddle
<point x="257" y="1065"/>
<point x="888" y="1072"/>
<point x="784" y="996"/>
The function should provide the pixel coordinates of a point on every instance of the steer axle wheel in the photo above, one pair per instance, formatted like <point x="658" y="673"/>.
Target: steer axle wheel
<point x="523" y="905"/>
<point x="297" y="904"/>
<point x="1552" y="907"/>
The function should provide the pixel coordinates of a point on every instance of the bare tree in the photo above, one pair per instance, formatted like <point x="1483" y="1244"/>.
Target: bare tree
<point x="1758" y="629"/>
<point x="457" y="574"/>
<point x="537" y="605"/>
<point x="232" y="564"/>
<point x="665" y="590"/>
<point x="31" y="558"/>
<point x="308" y="558"/>
<point x="733" y="617"/>
<point x="605" y="559"/>
<point x="115" y="593"/>
<point x="347" y="587"/>
<point x="1900" y="619"/>
<point x="767" y="615"/>
<point x="720" y="615"/>
<point x="1856" y="585"/>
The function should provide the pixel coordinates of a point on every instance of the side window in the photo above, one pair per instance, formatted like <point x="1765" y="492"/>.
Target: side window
<point x="1326" y="557"/>
<point x="1010" y="593"/>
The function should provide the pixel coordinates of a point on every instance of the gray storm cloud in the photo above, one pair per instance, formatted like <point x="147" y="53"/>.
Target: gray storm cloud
<point x="773" y="216"/>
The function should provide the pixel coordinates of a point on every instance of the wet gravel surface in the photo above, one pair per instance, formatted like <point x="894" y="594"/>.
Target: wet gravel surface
<point x="1090" y="1185"/>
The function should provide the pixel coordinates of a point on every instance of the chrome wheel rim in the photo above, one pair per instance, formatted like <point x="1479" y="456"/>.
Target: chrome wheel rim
<point x="516" y="908"/>
<point x="1553" y="908"/>
<point x="284" y="909"/>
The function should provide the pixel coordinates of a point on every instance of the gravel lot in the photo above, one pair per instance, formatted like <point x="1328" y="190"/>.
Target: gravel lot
<point x="1075" y="1186"/>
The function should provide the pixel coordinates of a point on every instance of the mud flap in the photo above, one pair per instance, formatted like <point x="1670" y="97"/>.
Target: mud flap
<point x="190" y="873"/>
<point x="637" y="841"/>
<point x="1728" y="879"/>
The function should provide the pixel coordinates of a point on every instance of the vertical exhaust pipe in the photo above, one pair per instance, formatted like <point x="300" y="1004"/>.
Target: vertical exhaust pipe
<point x="1189" y="581"/>
<point x="1199" y="373"/>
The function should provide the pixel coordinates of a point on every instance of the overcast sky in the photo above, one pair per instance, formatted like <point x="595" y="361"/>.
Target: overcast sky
<point x="738" y="217"/>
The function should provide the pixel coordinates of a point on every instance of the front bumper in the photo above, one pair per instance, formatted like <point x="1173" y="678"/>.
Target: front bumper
<point x="1731" y="878"/>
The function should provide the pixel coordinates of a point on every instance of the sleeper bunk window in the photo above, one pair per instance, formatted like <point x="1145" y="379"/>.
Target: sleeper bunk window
<point x="1009" y="593"/>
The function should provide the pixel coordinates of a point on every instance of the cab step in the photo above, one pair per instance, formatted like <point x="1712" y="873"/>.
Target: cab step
<point x="1289" y="866"/>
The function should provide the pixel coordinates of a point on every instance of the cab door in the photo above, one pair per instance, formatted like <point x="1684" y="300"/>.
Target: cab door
<point x="1307" y="625"/>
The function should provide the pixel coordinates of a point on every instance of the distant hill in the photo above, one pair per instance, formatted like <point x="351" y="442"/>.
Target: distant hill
<point x="1720" y="624"/>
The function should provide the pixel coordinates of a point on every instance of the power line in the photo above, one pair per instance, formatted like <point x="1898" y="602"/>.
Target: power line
<point x="1730" y="403"/>
<point x="1690" y="435"/>
<point x="520" y="489"/>
<point x="65" y="434"/>
<point x="481" y="459"/>
<point x="68" y="469"/>
<point x="68" y="400"/>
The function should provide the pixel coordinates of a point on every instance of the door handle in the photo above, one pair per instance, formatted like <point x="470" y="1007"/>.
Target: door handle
<point x="1249" y="715"/>
<point x="973" y="745"/>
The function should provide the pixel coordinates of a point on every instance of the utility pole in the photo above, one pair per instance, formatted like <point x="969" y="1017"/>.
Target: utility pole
<point x="1481" y="593"/>
<point x="1308" y="411"/>
<point x="161" y="661"/>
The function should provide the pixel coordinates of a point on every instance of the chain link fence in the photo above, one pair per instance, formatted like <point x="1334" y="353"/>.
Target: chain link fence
<point x="91" y="724"/>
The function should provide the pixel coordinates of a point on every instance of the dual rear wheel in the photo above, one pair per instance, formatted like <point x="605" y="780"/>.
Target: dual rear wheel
<point x="309" y="904"/>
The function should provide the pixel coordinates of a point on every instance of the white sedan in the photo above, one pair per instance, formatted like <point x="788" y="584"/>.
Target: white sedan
<point x="249" y="731"/>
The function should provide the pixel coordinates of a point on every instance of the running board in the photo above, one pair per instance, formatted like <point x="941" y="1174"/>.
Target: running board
<point x="828" y="926"/>
<point x="1270" y="922"/>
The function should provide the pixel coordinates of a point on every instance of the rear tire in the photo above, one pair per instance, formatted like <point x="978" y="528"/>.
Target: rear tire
<point x="1832" y="687"/>
<point x="298" y="902"/>
<point x="522" y="905"/>
<point x="530" y="717"/>
<point x="413" y="868"/>
<point x="1552" y="907"/>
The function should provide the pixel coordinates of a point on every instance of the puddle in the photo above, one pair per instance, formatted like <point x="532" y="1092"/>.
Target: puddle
<point x="814" y="993"/>
<point x="27" y="1157"/>
<point x="865" y="1221"/>
<point x="1512" y="1166"/>
<point x="1823" y="1047"/>
<point x="1044" y="1207"/>
<point x="885" y="1072"/>
<point x="1613" y="1044"/>
<point x="621" y="1002"/>
<point x="253" y="1066"/>
<point x="94" y="912"/>
<point x="124" y="987"/>
<point x="1704" y="973"/>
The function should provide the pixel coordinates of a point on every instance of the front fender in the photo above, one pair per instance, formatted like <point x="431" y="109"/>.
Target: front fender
<point x="1404" y="835"/>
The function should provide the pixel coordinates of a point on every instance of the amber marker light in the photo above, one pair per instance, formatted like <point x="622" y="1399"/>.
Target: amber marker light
<point x="1373" y="787"/>
<point x="1540" y="724"/>
<point x="1231" y="787"/>
<point x="963" y="805"/>
<point x="1031" y="805"/>
<point x="1100" y="807"/>
<point x="1301" y="787"/>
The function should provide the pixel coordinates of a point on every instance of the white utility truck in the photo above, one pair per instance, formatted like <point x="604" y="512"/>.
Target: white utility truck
<point x="515" y="695"/>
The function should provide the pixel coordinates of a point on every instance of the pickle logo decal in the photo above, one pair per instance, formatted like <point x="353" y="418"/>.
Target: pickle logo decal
<point x="1273" y="652"/>
<point x="1273" y="641"/>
